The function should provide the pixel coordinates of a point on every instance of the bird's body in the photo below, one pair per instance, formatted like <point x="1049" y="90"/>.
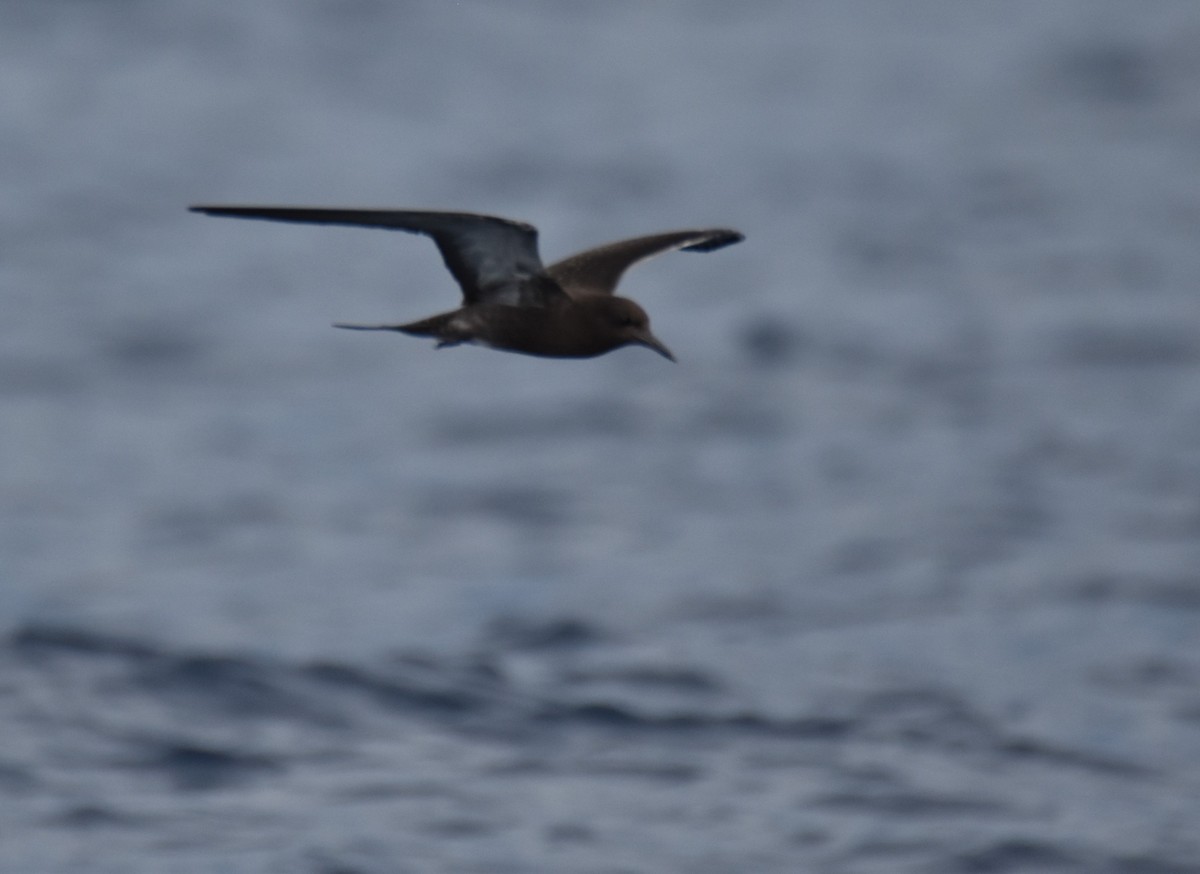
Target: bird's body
<point x="510" y="300"/>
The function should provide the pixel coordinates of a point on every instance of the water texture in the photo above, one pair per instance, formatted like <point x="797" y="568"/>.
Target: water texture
<point x="895" y="571"/>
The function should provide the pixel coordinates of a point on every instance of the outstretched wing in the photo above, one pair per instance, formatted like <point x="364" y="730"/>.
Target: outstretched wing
<point x="597" y="271"/>
<point x="493" y="259"/>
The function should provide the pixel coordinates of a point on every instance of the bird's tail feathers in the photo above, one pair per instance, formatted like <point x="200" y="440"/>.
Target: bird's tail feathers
<point x="434" y="326"/>
<point x="368" y="327"/>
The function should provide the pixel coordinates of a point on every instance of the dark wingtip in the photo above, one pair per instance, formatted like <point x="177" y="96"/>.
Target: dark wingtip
<point x="205" y="209"/>
<point x="716" y="240"/>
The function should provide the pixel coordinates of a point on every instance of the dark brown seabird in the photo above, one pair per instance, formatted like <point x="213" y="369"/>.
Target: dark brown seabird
<point x="510" y="301"/>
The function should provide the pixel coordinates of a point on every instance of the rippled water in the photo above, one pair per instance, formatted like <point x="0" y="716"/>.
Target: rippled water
<point x="895" y="571"/>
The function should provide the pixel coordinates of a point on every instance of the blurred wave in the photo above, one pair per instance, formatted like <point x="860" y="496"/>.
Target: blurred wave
<point x="895" y="571"/>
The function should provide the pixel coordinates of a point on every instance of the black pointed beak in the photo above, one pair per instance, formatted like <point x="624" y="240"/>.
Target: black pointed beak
<point x="651" y="342"/>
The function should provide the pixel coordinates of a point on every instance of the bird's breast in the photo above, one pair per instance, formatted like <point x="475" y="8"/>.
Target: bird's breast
<point x="562" y="331"/>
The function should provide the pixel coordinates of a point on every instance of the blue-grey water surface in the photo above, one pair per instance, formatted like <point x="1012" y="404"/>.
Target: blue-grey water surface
<point x="898" y="570"/>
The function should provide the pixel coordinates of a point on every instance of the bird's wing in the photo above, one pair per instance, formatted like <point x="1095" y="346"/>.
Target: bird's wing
<point x="599" y="270"/>
<point x="494" y="260"/>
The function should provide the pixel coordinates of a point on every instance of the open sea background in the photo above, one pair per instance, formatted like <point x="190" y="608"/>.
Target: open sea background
<point x="897" y="571"/>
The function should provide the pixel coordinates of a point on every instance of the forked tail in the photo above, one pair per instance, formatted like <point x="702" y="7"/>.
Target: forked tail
<point x="434" y="326"/>
<point x="368" y="327"/>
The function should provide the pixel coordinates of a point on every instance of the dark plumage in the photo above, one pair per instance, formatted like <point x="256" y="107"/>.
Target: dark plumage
<point x="510" y="301"/>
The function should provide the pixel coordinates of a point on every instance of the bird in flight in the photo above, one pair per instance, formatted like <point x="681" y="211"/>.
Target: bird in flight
<point x="510" y="300"/>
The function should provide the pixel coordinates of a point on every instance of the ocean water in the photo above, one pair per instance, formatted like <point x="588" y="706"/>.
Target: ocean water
<point x="895" y="571"/>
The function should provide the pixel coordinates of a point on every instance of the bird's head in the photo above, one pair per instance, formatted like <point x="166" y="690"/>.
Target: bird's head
<point x="629" y="324"/>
